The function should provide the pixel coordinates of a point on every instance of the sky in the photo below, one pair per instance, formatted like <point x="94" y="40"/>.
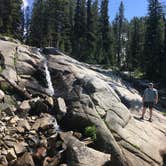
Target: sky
<point x="132" y="7"/>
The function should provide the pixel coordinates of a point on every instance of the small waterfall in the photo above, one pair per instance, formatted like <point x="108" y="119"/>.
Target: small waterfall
<point x="48" y="78"/>
<point x="50" y="89"/>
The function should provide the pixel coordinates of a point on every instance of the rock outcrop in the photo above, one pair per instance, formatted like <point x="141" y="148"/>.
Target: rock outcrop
<point x="84" y="95"/>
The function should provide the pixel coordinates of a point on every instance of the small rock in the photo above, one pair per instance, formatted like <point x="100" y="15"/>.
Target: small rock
<point x="11" y="155"/>
<point x="14" y="120"/>
<point x="62" y="105"/>
<point x="54" y="161"/>
<point x="3" y="160"/>
<point x="38" y="107"/>
<point x="8" y="138"/>
<point x="33" y="132"/>
<point x="6" y="119"/>
<point x="45" y="122"/>
<point x="25" y="160"/>
<point x="66" y="135"/>
<point x="51" y="142"/>
<point x="49" y="101"/>
<point x="23" y="125"/>
<point x="77" y="135"/>
<point x="2" y="95"/>
<point x="20" y="129"/>
<point x="10" y="110"/>
<point x="4" y="152"/>
<point x="9" y="143"/>
<point x="25" y="106"/>
<point x="32" y="140"/>
<point x="20" y="148"/>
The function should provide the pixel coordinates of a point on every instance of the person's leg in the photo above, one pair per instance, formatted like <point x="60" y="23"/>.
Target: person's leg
<point x="151" y="104"/>
<point x="143" y="112"/>
<point x="151" y="113"/>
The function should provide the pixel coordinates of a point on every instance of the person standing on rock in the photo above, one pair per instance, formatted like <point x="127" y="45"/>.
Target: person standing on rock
<point x="150" y="97"/>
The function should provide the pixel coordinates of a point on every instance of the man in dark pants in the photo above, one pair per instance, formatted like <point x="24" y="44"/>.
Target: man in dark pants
<point x="150" y="98"/>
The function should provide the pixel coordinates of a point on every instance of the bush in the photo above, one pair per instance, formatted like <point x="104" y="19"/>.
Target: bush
<point x="4" y="86"/>
<point x="138" y="74"/>
<point x="90" y="131"/>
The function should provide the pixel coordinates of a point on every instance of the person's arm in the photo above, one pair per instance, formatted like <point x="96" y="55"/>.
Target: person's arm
<point x="157" y="98"/>
<point x="143" y="97"/>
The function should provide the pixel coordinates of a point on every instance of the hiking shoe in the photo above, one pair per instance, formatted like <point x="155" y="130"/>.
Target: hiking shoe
<point x="150" y="120"/>
<point x="141" y="118"/>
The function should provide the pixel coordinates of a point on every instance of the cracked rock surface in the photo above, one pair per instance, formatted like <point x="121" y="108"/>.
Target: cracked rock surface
<point x="92" y="97"/>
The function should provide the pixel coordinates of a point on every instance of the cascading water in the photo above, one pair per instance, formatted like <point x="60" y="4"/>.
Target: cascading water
<point x="50" y="89"/>
<point x="48" y="78"/>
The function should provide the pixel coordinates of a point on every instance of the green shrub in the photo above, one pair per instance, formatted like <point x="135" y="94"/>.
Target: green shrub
<point x="138" y="74"/>
<point x="5" y="86"/>
<point x="90" y="131"/>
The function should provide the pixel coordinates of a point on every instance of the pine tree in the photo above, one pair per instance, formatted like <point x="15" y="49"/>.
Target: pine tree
<point x="163" y="69"/>
<point x="153" y="40"/>
<point x="91" y="34"/>
<point x="105" y="33"/>
<point x="79" y="32"/>
<point x="120" y="34"/>
<point x="135" y="44"/>
<point x="96" y="31"/>
<point x="27" y="24"/>
<point x="36" y="29"/>
<point x="11" y="18"/>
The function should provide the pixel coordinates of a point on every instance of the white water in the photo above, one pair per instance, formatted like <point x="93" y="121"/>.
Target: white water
<point x="50" y="89"/>
<point x="48" y="78"/>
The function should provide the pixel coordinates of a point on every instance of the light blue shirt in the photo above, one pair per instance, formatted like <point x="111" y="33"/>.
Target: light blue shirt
<point x="150" y="95"/>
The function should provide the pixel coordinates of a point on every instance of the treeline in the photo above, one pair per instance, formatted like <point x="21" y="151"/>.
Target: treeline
<point x="11" y="18"/>
<point x="82" y="29"/>
<point x="77" y="27"/>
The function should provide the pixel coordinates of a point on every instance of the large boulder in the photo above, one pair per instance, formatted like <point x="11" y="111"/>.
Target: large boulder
<point x="113" y="106"/>
<point x="81" y="155"/>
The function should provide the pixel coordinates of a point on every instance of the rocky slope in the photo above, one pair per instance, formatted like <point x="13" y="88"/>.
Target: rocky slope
<point x="82" y="96"/>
